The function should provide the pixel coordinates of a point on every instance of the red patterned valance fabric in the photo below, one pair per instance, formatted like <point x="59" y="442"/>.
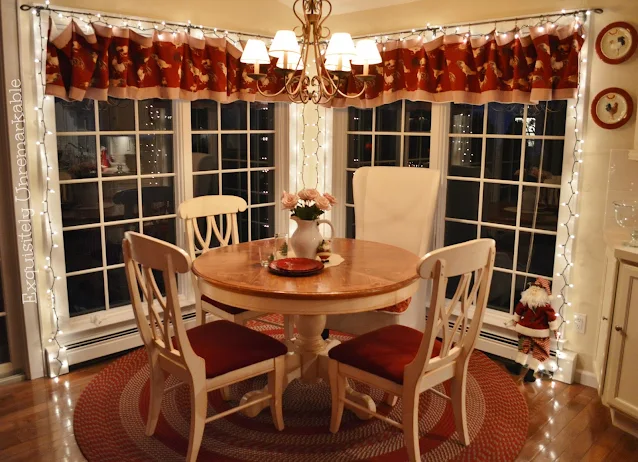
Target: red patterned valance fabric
<point x="118" y="62"/>
<point x="503" y="68"/>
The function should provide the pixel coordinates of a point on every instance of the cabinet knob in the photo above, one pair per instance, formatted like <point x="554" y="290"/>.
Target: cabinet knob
<point x="605" y="318"/>
<point x="618" y="328"/>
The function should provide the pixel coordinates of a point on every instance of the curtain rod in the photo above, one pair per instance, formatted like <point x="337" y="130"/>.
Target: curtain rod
<point x="158" y="25"/>
<point x="440" y="28"/>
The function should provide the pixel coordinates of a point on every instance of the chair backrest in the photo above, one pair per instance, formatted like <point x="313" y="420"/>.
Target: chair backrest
<point x="142" y="255"/>
<point x="211" y="207"/>
<point x="396" y="205"/>
<point x="473" y="263"/>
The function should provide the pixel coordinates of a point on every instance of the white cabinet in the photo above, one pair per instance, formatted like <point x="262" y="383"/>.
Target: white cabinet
<point x="618" y="340"/>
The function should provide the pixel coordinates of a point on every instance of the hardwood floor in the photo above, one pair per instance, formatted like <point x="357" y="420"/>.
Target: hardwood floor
<point x="566" y="422"/>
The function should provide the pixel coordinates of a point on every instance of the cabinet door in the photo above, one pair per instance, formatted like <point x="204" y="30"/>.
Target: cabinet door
<point x="622" y="373"/>
<point x="600" y="360"/>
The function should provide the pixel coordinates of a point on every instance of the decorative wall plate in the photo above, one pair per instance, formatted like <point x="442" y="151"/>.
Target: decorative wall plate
<point x="617" y="42"/>
<point x="612" y="108"/>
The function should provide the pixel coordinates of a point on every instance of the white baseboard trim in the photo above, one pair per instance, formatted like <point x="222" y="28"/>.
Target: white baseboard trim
<point x="586" y="378"/>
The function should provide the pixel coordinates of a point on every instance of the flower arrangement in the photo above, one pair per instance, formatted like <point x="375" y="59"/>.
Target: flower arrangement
<point x="307" y="204"/>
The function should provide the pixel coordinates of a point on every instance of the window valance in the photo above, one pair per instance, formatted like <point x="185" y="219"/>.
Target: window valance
<point x="99" y="61"/>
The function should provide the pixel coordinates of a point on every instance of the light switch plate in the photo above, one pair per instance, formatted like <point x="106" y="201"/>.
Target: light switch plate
<point x="580" y="320"/>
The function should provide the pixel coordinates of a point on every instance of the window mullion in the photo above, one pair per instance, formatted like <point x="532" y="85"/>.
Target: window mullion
<point x="403" y="134"/>
<point x="439" y="147"/>
<point x="482" y="183"/>
<point x="248" y="194"/>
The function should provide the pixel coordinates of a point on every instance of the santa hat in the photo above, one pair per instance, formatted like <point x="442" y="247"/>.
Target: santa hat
<point x="544" y="283"/>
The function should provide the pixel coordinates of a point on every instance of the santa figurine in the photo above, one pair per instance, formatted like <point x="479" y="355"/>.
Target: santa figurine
<point x="534" y="319"/>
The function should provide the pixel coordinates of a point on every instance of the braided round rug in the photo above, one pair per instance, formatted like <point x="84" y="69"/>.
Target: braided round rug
<point x="110" y="417"/>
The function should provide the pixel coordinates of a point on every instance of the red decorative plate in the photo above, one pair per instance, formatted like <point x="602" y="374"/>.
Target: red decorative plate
<point x="612" y="108"/>
<point x="295" y="267"/>
<point x="616" y="42"/>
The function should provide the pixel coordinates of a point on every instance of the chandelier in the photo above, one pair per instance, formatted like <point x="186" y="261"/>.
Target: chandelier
<point x="293" y="52"/>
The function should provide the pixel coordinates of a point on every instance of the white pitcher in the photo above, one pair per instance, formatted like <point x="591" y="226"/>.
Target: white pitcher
<point x="306" y="238"/>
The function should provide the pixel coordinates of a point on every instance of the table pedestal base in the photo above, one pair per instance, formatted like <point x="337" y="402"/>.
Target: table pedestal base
<point x="308" y="362"/>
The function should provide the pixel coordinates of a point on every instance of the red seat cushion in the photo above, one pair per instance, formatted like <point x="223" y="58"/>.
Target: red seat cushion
<point x="227" y="308"/>
<point x="226" y="346"/>
<point x="384" y="352"/>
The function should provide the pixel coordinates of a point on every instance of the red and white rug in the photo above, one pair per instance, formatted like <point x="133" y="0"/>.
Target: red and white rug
<point x="110" y="418"/>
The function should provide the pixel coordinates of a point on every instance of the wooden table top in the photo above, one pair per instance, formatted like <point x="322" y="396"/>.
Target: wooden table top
<point x="369" y="268"/>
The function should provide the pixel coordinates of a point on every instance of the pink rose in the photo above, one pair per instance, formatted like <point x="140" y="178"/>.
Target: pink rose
<point x="309" y="194"/>
<point x="289" y="201"/>
<point x="323" y="203"/>
<point x="330" y="198"/>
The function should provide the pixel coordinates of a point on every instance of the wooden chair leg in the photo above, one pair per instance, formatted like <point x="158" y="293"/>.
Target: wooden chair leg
<point x="199" y="405"/>
<point x="289" y="327"/>
<point x="338" y="392"/>
<point x="390" y="399"/>
<point x="156" y="393"/>
<point x="276" y="388"/>
<point x="225" y="392"/>
<point x="457" y="395"/>
<point x="411" y="424"/>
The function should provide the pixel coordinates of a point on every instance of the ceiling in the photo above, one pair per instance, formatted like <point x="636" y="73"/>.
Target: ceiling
<point x="359" y="17"/>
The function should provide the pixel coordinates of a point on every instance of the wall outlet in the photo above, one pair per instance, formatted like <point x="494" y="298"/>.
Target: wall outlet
<point x="580" y="320"/>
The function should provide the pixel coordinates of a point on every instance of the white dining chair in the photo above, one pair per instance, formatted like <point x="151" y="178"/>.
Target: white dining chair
<point x="206" y="358"/>
<point x="212" y="208"/>
<point x="406" y="362"/>
<point x="393" y="205"/>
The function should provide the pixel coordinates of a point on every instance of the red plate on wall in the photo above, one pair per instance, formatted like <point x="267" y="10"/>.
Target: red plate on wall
<point x="295" y="267"/>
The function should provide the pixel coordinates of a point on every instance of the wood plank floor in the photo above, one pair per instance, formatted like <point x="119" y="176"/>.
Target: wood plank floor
<point x="566" y="422"/>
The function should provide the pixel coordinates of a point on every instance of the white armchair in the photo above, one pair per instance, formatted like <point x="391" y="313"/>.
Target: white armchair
<point x="393" y="205"/>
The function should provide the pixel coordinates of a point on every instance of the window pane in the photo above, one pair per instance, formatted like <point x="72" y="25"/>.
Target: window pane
<point x="500" y="291"/>
<point x="79" y="204"/>
<point x="205" y="185"/>
<point x="455" y="233"/>
<point x="120" y="200"/>
<point x="466" y="118"/>
<point x="503" y="159"/>
<point x="234" y="151"/>
<point x="418" y="116"/>
<point x="417" y="151"/>
<point x="350" y="224"/>
<point x="462" y="199"/>
<point x="156" y="154"/>
<point x="77" y="116"/>
<point x="388" y="150"/>
<point x="465" y="157"/>
<point x="158" y="196"/>
<point x="389" y="117"/>
<point x="536" y="253"/>
<point x="262" y="116"/>
<point x="500" y="203"/>
<point x="76" y="157"/>
<point x="262" y="150"/>
<point x="114" y="235"/>
<point x="83" y="249"/>
<point x="262" y="222"/>
<point x="204" y="153"/>
<point x="262" y="185"/>
<point x="235" y="184"/>
<point x="548" y="118"/>
<point x="504" y="245"/>
<point x="155" y="114"/>
<point x="359" y="120"/>
<point x="118" y="288"/>
<point x="117" y="115"/>
<point x="359" y="151"/>
<point x="4" y="344"/>
<point x="505" y="119"/>
<point x="86" y="293"/>
<point x="117" y="155"/>
<point x="160" y="229"/>
<point x="242" y="222"/>
<point x="204" y="115"/>
<point x="349" y="191"/>
<point x="540" y="208"/>
<point x="550" y="153"/>
<point x="234" y="116"/>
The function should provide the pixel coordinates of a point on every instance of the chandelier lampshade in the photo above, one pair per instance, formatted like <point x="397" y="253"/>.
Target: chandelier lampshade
<point x="367" y="53"/>
<point x="334" y="64"/>
<point x="285" y="41"/>
<point x="341" y="44"/>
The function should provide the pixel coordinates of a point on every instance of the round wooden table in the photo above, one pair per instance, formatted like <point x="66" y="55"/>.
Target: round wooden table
<point x="372" y="276"/>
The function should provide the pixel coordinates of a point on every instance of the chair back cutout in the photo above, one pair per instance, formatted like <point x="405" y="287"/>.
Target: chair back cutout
<point x="388" y="210"/>
<point x="472" y="262"/>
<point x="142" y="255"/>
<point x="210" y="208"/>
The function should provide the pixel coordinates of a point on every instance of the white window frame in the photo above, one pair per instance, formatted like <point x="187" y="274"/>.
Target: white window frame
<point x="113" y="319"/>
<point x="439" y="145"/>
